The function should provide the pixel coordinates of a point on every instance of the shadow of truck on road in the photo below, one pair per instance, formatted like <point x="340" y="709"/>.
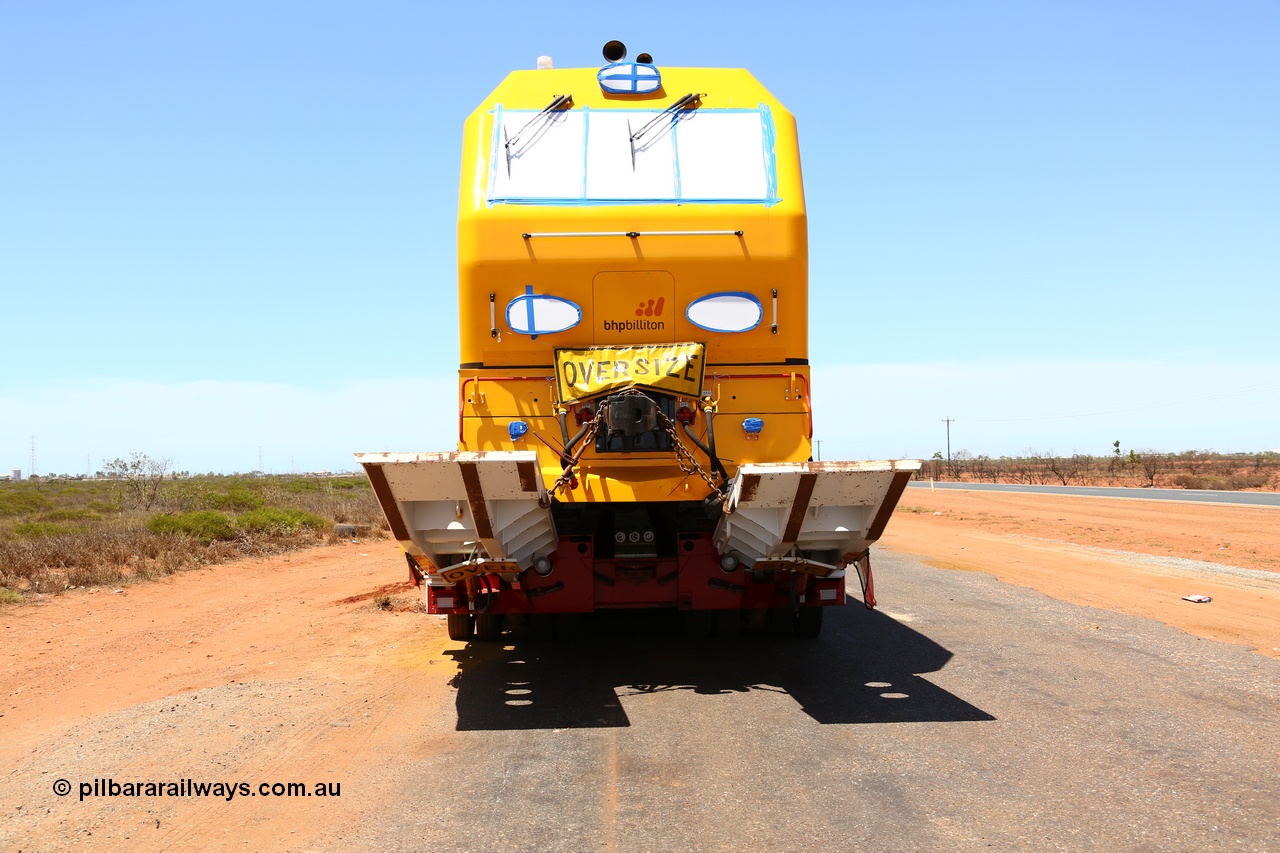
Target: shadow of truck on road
<point x="865" y="668"/>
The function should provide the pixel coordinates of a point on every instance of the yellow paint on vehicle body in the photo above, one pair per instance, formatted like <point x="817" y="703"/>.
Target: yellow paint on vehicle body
<point x="633" y="291"/>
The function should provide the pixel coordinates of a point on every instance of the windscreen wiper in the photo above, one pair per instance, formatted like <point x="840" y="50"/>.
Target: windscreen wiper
<point x="689" y="101"/>
<point x="559" y="102"/>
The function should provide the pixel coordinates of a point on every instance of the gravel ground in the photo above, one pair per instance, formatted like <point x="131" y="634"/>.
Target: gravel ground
<point x="966" y="714"/>
<point x="1177" y="564"/>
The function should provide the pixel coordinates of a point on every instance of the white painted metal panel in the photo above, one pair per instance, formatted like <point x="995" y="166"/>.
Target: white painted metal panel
<point x="456" y="503"/>
<point x="781" y="509"/>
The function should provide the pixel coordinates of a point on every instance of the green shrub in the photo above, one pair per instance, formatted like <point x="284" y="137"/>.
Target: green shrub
<point x="272" y="520"/>
<point x="236" y="499"/>
<point x="69" y="515"/>
<point x="22" y="502"/>
<point x="36" y="529"/>
<point x="9" y="596"/>
<point x="204" y="525"/>
<point x="310" y="484"/>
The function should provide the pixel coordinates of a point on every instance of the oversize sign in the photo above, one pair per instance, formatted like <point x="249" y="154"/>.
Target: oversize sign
<point x="673" y="368"/>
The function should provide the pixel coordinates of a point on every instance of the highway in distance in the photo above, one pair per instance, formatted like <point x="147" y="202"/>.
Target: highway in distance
<point x="1194" y="495"/>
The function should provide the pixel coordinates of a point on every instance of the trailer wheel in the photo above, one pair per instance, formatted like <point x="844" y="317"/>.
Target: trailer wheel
<point x="460" y="626"/>
<point x="728" y="624"/>
<point x="542" y="626"/>
<point x="488" y="626"/>
<point x="698" y="624"/>
<point x="573" y="627"/>
<point x="782" y="621"/>
<point x="809" y="621"/>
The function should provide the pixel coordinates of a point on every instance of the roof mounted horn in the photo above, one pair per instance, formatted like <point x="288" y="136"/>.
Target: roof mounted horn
<point x="618" y="77"/>
<point x="614" y="51"/>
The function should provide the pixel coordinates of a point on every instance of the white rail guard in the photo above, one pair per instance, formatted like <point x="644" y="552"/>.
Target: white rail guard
<point x="779" y="509"/>
<point x="453" y="503"/>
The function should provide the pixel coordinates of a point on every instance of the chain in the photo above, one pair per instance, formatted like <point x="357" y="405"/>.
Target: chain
<point x="684" y="457"/>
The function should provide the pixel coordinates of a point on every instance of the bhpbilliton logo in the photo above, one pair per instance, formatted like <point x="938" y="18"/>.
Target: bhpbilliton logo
<point x="646" y="309"/>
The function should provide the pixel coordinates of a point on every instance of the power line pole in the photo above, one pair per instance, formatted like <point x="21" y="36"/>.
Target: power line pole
<point x="32" y="472"/>
<point x="947" y="421"/>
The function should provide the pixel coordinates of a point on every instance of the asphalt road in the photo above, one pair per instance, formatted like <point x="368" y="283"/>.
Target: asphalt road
<point x="967" y="714"/>
<point x="1193" y="495"/>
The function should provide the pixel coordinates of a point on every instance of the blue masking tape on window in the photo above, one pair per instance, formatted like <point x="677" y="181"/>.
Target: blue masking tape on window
<point x="728" y="311"/>
<point x="536" y="314"/>
<point x="586" y="134"/>
<point x="629" y="78"/>
<point x="769" y="138"/>
<point x="496" y="146"/>
<point x="753" y="425"/>
<point x="580" y="198"/>
<point x="607" y="202"/>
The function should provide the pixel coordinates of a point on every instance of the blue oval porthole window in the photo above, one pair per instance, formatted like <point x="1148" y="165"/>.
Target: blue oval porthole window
<point x="726" y="312"/>
<point x="541" y="314"/>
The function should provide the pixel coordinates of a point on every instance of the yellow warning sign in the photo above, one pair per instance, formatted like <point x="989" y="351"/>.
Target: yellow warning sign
<point x="453" y="574"/>
<point x="673" y="368"/>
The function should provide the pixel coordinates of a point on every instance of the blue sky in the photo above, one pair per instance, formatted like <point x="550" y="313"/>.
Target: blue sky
<point x="220" y="223"/>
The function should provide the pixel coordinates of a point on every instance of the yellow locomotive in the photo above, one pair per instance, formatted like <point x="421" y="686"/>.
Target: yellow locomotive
<point x="634" y="414"/>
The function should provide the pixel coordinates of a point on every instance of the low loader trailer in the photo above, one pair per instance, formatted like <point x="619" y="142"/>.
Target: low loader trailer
<point x="635" y="421"/>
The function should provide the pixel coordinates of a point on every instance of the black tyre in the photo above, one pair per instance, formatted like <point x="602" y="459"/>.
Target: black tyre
<point x="488" y="626"/>
<point x="782" y="621"/>
<point x="698" y="624"/>
<point x="460" y="626"/>
<point x="754" y="622"/>
<point x="542" y="626"/>
<point x="516" y="625"/>
<point x="809" y="621"/>
<point x="728" y="624"/>
<point x="573" y="627"/>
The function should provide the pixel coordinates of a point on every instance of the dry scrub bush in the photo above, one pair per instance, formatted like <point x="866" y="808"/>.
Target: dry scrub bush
<point x="66" y="535"/>
<point x="101" y="557"/>
<point x="55" y="563"/>
<point x="1232" y="483"/>
<point x="345" y="506"/>
<point x="93" y="558"/>
<point x="1202" y="469"/>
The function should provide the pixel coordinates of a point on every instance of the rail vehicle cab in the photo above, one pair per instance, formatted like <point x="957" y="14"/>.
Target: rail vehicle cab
<point x="634" y="412"/>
